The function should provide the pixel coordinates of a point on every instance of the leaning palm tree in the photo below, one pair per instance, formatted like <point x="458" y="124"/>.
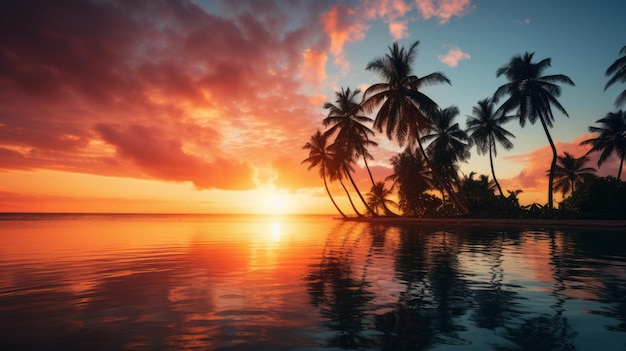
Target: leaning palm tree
<point x="448" y="145"/>
<point x="611" y="138"/>
<point x="617" y="71"/>
<point x="532" y="94"/>
<point x="485" y="129"/>
<point x="403" y="109"/>
<point x="569" y="171"/>
<point x="344" y="156"/>
<point x="319" y="155"/>
<point x="378" y="200"/>
<point x="346" y="121"/>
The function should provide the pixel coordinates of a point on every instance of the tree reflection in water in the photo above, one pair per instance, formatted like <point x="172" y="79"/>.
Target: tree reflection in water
<point x="545" y="332"/>
<point x="494" y="304"/>
<point x="443" y="285"/>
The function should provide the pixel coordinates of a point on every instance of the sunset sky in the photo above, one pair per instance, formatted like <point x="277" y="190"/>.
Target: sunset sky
<point x="203" y="107"/>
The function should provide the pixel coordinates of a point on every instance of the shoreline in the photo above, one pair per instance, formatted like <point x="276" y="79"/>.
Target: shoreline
<point x="490" y="222"/>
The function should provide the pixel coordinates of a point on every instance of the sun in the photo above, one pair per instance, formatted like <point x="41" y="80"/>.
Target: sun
<point x="277" y="203"/>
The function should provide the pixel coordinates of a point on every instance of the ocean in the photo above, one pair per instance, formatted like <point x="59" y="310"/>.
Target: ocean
<point x="270" y="282"/>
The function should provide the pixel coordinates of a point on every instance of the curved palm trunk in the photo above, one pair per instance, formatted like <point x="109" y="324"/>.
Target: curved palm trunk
<point x="462" y="208"/>
<point x="493" y="172"/>
<point x="331" y="198"/>
<point x="552" y="165"/>
<point x="619" y="172"/>
<point x="350" y="199"/>
<point x="388" y="212"/>
<point x="347" y="172"/>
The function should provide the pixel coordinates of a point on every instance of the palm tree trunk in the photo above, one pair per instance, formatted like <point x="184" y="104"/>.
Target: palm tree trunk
<point x="493" y="172"/>
<point x="331" y="198"/>
<point x="347" y="172"/>
<point x="350" y="199"/>
<point x="388" y="212"/>
<point x="552" y="165"/>
<point x="619" y="172"/>
<point x="462" y="208"/>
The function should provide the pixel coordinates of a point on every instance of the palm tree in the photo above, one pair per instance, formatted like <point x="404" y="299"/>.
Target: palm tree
<point x="319" y="155"/>
<point x="336" y="167"/>
<point x="532" y="95"/>
<point x="618" y="72"/>
<point x="447" y="145"/>
<point x="404" y="109"/>
<point x="570" y="170"/>
<point x="412" y="178"/>
<point x="344" y="156"/>
<point x="346" y="122"/>
<point x="611" y="139"/>
<point x="484" y="129"/>
<point x="378" y="200"/>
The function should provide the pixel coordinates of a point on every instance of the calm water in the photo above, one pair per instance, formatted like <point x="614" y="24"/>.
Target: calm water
<point x="114" y="282"/>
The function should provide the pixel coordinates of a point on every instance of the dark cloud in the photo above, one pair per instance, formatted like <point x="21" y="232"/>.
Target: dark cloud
<point x="215" y="89"/>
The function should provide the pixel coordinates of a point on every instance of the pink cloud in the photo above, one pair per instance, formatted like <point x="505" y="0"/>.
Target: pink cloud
<point x="533" y="178"/>
<point x="343" y="25"/>
<point x="392" y="12"/>
<point x="453" y="57"/>
<point x="159" y="89"/>
<point x="313" y="66"/>
<point x="443" y="9"/>
<point x="164" y="157"/>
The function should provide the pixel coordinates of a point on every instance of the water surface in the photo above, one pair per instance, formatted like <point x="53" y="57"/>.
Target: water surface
<point x="171" y="282"/>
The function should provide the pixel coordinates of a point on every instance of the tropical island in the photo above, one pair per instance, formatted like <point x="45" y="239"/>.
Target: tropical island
<point x="426" y="180"/>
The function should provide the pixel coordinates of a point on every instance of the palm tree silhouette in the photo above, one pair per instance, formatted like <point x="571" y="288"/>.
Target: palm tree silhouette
<point x="569" y="171"/>
<point x="532" y="95"/>
<point x="447" y="145"/>
<point x="378" y="200"/>
<point x="344" y="158"/>
<point x="337" y="167"/>
<point x="611" y="139"/>
<point x="484" y="129"/>
<point x="351" y="135"/>
<point x="617" y="71"/>
<point x="404" y="109"/>
<point x="412" y="178"/>
<point x="319" y="155"/>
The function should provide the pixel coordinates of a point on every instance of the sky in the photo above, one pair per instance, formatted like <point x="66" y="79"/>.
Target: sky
<point x="179" y="106"/>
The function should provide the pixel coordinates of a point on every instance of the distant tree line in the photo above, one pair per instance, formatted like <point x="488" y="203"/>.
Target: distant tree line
<point x="426" y="177"/>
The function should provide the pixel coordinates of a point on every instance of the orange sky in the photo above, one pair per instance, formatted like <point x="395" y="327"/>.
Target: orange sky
<point x="179" y="106"/>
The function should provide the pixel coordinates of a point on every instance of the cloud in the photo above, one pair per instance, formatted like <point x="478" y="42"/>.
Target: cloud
<point x="443" y="9"/>
<point x="313" y="66"/>
<point x="534" y="176"/>
<point x="164" y="157"/>
<point x="524" y="21"/>
<point x="392" y="12"/>
<point x="343" y="25"/>
<point x="89" y="85"/>
<point x="453" y="56"/>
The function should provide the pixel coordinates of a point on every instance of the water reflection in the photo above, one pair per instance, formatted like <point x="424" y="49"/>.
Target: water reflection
<point x="260" y="283"/>
<point x="514" y="285"/>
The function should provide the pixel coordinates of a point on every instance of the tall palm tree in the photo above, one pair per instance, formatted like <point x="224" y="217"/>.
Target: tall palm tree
<point x="485" y="128"/>
<point x="448" y="145"/>
<point x="404" y="109"/>
<point x="532" y="95"/>
<point x="378" y="200"/>
<point x="569" y="171"/>
<point x="611" y="138"/>
<point x="319" y="155"/>
<point x="346" y="121"/>
<point x="617" y="71"/>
